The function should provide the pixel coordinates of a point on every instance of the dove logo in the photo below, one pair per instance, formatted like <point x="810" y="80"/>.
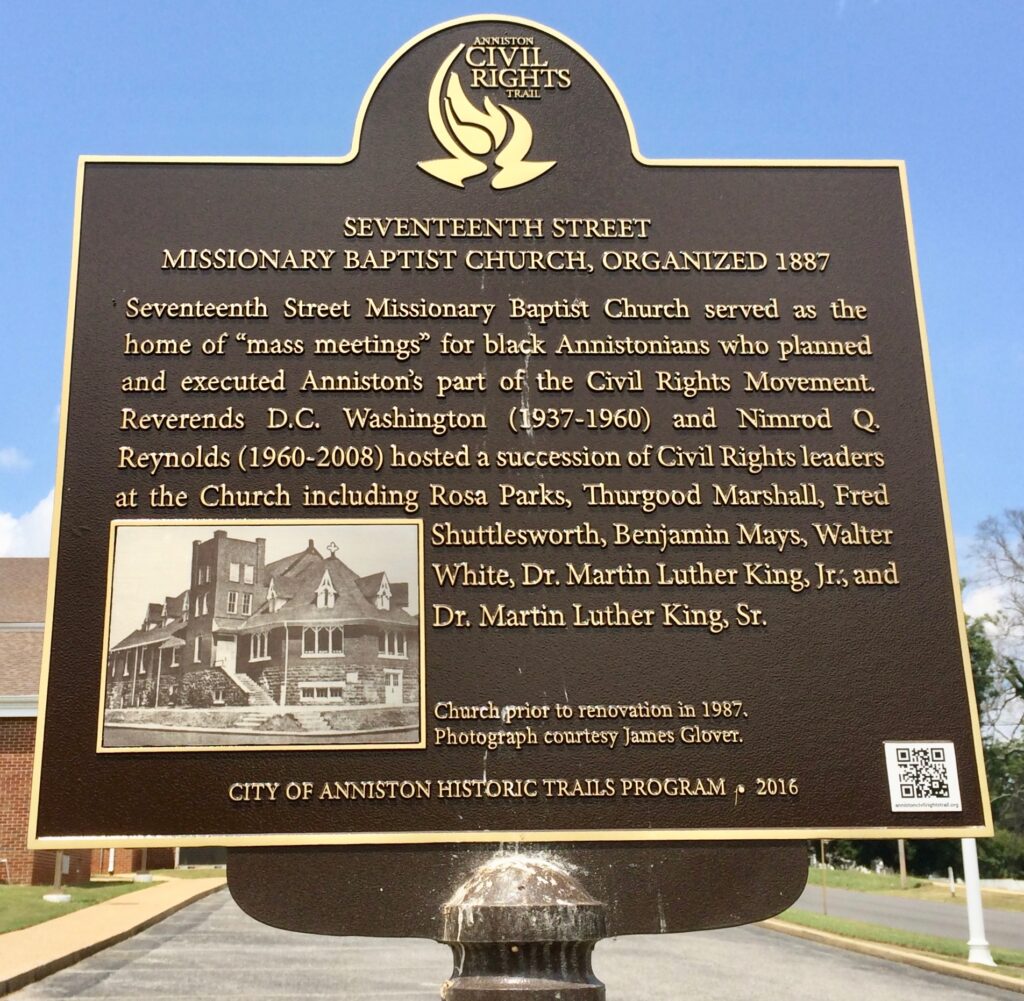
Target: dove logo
<point x="471" y="136"/>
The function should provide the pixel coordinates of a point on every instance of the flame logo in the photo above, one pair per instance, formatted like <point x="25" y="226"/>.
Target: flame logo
<point x="467" y="133"/>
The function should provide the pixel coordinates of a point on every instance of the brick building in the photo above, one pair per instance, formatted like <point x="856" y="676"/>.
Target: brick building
<point x="304" y="630"/>
<point x="22" y="610"/>
<point x="127" y="861"/>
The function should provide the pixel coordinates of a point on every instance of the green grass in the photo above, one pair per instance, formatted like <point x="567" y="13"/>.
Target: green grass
<point x="1011" y="961"/>
<point x="21" y="906"/>
<point x="190" y="873"/>
<point x="850" y="879"/>
<point x="917" y="888"/>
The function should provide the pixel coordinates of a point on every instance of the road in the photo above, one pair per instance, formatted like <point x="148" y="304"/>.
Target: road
<point x="1002" y="928"/>
<point x="211" y="951"/>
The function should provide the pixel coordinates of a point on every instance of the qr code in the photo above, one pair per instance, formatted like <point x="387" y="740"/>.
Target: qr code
<point x="922" y="772"/>
<point x="922" y="775"/>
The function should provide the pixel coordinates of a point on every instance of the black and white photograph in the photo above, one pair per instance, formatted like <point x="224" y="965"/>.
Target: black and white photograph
<point x="241" y="635"/>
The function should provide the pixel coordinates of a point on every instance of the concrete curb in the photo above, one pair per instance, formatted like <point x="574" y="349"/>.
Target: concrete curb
<point x="979" y="974"/>
<point x="33" y="970"/>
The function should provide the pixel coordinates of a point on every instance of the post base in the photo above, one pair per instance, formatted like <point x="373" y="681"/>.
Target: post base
<point x="529" y="989"/>
<point x="522" y="927"/>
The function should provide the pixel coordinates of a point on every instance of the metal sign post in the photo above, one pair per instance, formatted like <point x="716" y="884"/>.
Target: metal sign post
<point x="519" y="925"/>
<point x="977" y="944"/>
<point x="58" y="895"/>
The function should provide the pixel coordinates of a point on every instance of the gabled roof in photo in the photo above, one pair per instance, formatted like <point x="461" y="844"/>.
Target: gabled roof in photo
<point x="298" y="578"/>
<point x="175" y="606"/>
<point x="371" y="585"/>
<point x="171" y="610"/>
<point x="294" y="565"/>
<point x="162" y="635"/>
<point x="22" y="604"/>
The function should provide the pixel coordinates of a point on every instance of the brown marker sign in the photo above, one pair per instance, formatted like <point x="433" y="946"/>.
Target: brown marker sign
<point x="494" y="482"/>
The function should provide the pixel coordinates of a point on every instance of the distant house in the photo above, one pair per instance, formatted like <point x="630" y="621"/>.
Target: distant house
<point x="303" y="630"/>
<point x="22" y="610"/>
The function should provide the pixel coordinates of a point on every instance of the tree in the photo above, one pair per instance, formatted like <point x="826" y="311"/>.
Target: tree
<point x="999" y="670"/>
<point x="1004" y="765"/>
<point x="983" y="661"/>
<point x="1000" y="555"/>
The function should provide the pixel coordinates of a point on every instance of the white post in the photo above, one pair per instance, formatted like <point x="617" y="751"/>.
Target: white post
<point x="57" y="894"/>
<point x="977" y="945"/>
<point x="144" y="875"/>
<point x="284" y="685"/>
<point x="824" y="880"/>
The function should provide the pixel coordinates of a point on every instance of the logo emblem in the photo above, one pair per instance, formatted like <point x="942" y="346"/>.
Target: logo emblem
<point x="467" y="134"/>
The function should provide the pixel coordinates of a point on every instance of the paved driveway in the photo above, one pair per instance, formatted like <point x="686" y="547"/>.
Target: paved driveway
<point x="1002" y="928"/>
<point x="211" y="951"/>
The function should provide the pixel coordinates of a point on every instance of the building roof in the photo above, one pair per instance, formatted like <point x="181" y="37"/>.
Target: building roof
<point x="21" y="657"/>
<point x="283" y="587"/>
<point x="145" y="637"/>
<point x="311" y="615"/>
<point x="296" y="579"/>
<point x="175" y="606"/>
<point x="22" y="605"/>
<point x="290" y="566"/>
<point x="304" y="573"/>
<point x="371" y="585"/>
<point x="23" y="588"/>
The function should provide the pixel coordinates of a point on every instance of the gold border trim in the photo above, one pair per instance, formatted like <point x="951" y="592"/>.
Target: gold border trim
<point x="940" y="470"/>
<point x="492" y="837"/>
<point x="458" y="837"/>
<point x="58" y="493"/>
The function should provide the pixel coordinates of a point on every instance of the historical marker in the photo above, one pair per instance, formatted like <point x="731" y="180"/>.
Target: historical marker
<point x="496" y="483"/>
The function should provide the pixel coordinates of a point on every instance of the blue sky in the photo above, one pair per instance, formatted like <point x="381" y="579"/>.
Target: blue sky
<point x="935" y="84"/>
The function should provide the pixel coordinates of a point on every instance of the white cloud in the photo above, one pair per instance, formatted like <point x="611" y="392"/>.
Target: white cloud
<point x="980" y="596"/>
<point x="27" y="534"/>
<point x="13" y="458"/>
<point x="985" y="599"/>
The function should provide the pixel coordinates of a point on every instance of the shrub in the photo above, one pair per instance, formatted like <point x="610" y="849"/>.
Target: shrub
<point x="286" y="723"/>
<point x="1001" y="856"/>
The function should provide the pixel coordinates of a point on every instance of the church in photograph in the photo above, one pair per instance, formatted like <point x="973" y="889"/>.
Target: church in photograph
<point x="304" y="630"/>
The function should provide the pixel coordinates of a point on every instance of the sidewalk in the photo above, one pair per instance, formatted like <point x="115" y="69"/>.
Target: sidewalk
<point x="898" y="954"/>
<point x="33" y="953"/>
